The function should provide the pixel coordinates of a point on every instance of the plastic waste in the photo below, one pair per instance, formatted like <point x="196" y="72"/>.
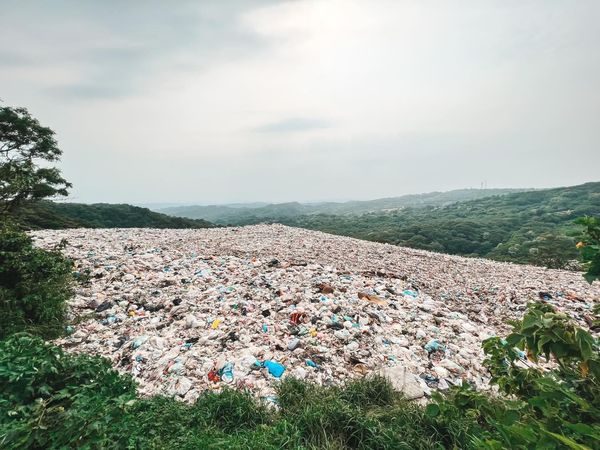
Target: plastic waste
<point x="311" y="363"/>
<point x="434" y="345"/>
<point x="214" y="376"/>
<point x="309" y="294"/>
<point x="293" y="344"/>
<point x="137" y="343"/>
<point x="226" y="373"/>
<point x="276" y="369"/>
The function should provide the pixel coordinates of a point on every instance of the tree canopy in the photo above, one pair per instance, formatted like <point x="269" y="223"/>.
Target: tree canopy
<point x="24" y="145"/>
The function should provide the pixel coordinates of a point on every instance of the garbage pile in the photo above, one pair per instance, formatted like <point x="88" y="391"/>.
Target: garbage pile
<point x="184" y="311"/>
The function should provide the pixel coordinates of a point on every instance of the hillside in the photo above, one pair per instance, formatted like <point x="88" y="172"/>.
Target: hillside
<point x="241" y="215"/>
<point x="52" y="215"/>
<point x="172" y="307"/>
<point x="533" y="227"/>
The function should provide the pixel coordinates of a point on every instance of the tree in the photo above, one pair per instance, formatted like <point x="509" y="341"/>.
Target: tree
<point x="590" y="247"/>
<point x="24" y="144"/>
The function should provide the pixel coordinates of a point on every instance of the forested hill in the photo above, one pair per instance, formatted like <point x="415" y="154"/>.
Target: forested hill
<point x="242" y="214"/>
<point x="534" y="227"/>
<point x="51" y="215"/>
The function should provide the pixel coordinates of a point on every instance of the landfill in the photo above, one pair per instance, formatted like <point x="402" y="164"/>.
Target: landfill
<point x="185" y="311"/>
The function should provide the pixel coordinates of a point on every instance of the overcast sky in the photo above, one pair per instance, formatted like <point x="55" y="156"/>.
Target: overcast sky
<point x="228" y="101"/>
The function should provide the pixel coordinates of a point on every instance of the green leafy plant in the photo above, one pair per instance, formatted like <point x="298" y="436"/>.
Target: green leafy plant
<point x="589" y="246"/>
<point x="34" y="285"/>
<point x="53" y="400"/>
<point x="555" y="405"/>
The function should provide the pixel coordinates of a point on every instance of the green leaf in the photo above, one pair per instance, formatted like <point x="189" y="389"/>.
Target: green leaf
<point x="565" y="440"/>
<point x="510" y="417"/>
<point x="584" y="429"/>
<point x="586" y="344"/>
<point x="432" y="410"/>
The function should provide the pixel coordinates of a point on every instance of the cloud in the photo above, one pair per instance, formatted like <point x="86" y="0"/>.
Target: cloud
<point x="221" y="101"/>
<point x="294" y="125"/>
<point x="112" y="55"/>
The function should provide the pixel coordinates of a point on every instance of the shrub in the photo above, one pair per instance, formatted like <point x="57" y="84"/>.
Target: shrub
<point x="590" y="247"/>
<point x="53" y="400"/>
<point x="544" y="408"/>
<point x="34" y="286"/>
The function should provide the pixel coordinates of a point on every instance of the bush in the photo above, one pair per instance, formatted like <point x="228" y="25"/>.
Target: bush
<point x="557" y="408"/>
<point x="34" y="286"/>
<point x="53" y="400"/>
<point x="590" y="247"/>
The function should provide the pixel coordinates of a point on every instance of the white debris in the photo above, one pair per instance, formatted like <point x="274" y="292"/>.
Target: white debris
<point x="403" y="381"/>
<point x="188" y="310"/>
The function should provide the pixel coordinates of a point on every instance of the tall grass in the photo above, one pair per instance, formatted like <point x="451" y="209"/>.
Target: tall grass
<point x="54" y="400"/>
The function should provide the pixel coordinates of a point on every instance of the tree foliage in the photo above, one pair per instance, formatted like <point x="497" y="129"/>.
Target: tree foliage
<point x="24" y="144"/>
<point x="590" y="247"/>
<point x="34" y="285"/>
<point x="534" y="227"/>
<point x="52" y="215"/>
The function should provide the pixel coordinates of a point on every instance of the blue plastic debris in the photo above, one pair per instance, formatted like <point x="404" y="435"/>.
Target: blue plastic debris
<point x="311" y="363"/>
<point x="410" y="293"/>
<point x="434" y="345"/>
<point x="109" y="320"/>
<point x="139" y="342"/>
<point x="276" y="369"/>
<point x="226" y="373"/>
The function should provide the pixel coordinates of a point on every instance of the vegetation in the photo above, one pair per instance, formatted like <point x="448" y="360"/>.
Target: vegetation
<point x="24" y="143"/>
<point x="52" y="399"/>
<point x="56" y="400"/>
<point x="241" y="214"/>
<point x="24" y="185"/>
<point x="529" y="227"/>
<point x="34" y="286"/>
<point x="534" y="227"/>
<point x="34" y="283"/>
<point x="52" y="215"/>
<point x="590" y="247"/>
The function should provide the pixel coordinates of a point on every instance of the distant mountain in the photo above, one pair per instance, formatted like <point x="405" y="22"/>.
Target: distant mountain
<point x="534" y="227"/>
<point x="52" y="215"/>
<point x="240" y="214"/>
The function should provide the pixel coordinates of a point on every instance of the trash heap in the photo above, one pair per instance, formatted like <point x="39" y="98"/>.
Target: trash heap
<point x="184" y="311"/>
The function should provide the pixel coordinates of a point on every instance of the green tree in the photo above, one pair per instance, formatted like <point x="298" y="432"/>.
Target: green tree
<point x="34" y="283"/>
<point x="24" y="144"/>
<point x="590" y="247"/>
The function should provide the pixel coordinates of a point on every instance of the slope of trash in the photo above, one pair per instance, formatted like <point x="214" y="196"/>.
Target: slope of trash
<point x="188" y="310"/>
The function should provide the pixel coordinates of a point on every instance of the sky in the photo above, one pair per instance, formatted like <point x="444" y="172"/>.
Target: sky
<point x="239" y="101"/>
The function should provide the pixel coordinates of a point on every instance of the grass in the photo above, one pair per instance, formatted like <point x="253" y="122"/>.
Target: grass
<point x="52" y="399"/>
